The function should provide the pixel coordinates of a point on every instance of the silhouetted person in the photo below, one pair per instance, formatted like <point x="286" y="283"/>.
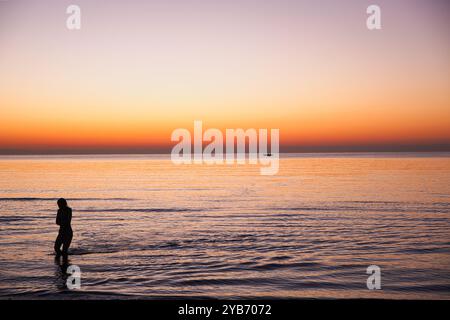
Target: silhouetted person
<point x="63" y="219"/>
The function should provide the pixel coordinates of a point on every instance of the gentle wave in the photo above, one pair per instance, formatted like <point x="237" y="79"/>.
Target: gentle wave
<point x="131" y="210"/>
<point x="372" y="206"/>
<point x="24" y="199"/>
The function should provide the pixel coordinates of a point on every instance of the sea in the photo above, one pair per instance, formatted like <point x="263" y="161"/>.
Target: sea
<point x="145" y="228"/>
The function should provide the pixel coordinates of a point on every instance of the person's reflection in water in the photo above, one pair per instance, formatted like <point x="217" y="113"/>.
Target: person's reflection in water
<point x="65" y="234"/>
<point x="61" y="273"/>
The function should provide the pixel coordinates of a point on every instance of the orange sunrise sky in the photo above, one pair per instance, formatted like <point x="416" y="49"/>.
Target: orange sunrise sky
<point x="138" y="70"/>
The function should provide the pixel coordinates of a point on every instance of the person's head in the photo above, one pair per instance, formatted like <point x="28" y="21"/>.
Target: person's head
<point x="62" y="203"/>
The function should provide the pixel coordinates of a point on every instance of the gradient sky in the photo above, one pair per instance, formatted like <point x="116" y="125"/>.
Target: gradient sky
<point x="138" y="70"/>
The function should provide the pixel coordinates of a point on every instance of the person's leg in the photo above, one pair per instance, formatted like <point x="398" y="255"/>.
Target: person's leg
<point x="58" y="243"/>
<point x="66" y="243"/>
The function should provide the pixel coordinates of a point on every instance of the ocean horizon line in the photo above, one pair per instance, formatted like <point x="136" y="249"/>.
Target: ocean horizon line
<point x="281" y="154"/>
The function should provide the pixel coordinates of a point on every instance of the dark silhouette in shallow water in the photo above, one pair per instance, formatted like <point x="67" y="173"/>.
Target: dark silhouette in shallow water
<point x="64" y="238"/>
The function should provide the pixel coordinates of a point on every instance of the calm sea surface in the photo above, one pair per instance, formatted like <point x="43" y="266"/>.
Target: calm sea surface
<point x="144" y="227"/>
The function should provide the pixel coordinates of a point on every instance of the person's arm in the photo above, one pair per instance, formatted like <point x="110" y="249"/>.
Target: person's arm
<point x="58" y="218"/>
